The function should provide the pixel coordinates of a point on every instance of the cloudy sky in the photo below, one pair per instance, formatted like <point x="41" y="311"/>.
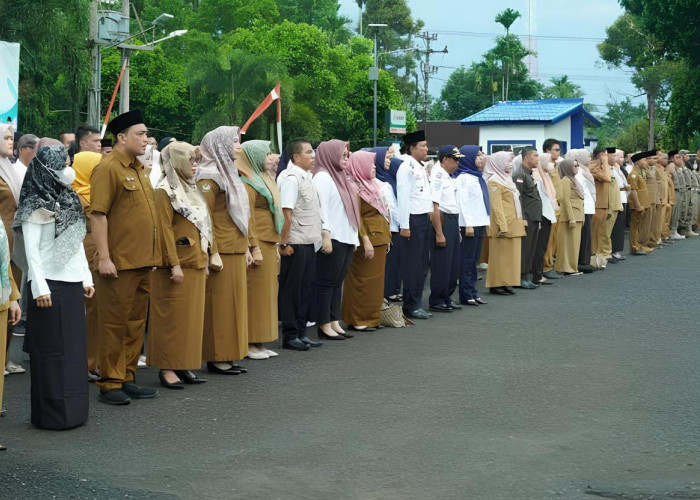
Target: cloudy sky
<point x="566" y="33"/>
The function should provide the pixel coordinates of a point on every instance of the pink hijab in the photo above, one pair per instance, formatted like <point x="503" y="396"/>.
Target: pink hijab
<point x="541" y="173"/>
<point x="328" y="157"/>
<point x="361" y="164"/>
<point x="498" y="164"/>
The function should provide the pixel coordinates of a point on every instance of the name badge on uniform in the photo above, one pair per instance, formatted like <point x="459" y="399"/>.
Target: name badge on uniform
<point x="130" y="179"/>
<point x="206" y="188"/>
<point x="519" y="180"/>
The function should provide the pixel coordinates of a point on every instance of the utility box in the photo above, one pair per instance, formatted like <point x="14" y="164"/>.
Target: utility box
<point x="112" y="27"/>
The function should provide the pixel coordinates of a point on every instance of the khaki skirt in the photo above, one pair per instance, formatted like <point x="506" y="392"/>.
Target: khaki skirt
<point x="363" y="290"/>
<point x="176" y="320"/>
<point x="262" y="297"/>
<point x="568" y="246"/>
<point x="504" y="262"/>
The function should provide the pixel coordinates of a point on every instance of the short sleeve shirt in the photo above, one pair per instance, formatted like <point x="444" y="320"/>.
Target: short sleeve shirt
<point x="121" y="190"/>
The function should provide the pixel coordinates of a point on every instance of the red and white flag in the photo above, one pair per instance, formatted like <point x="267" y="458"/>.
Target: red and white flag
<point x="274" y="95"/>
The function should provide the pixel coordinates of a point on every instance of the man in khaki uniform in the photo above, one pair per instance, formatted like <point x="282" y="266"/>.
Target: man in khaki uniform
<point x="638" y="200"/>
<point x="124" y="229"/>
<point x="646" y="231"/>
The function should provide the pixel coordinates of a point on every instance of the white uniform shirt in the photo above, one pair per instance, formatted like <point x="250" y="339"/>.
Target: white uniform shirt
<point x="621" y="182"/>
<point x="588" y="193"/>
<point x="547" y="207"/>
<point x="472" y="209"/>
<point x="39" y="242"/>
<point x="335" y="219"/>
<point x="390" y="199"/>
<point x="413" y="189"/>
<point x="443" y="189"/>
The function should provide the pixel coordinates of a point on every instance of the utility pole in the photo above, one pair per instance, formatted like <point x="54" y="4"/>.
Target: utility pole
<point x="95" y="90"/>
<point x="126" y="56"/>
<point x="427" y="69"/>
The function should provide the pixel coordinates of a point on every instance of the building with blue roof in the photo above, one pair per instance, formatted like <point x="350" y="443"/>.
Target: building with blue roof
<point x="512" y="125"/>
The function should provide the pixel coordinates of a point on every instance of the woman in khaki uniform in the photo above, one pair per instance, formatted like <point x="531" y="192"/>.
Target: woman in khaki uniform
<point x="226" y="306"/>
<point x="363" y="288"/>
<point x="507" y="226"/>
<point x="570" y="219"/>
<point x="83" y="164"/>
<point x="268" y="219"/>
<point x="177" y="298"/>
<point x="9" y="309"/>
<point x="11" y="177"/>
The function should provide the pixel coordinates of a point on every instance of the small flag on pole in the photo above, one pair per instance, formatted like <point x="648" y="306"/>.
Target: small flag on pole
<point x="274" y="95"/>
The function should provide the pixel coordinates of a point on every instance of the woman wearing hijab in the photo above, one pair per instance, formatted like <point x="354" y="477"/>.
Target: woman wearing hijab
<point x="341" y="222"/>
<point x="51" y="222"/>
<point x="268" y="219"/>
<point x="474" y="212"/>
<point x="550" y="207"/>
<point x="506" y="226"/>
<point x="226" y="309"/>
<point x="364" y="283"/>
<point x="177" y="290"/>
<point x="83" y="164"/>
<point x="585" y="179"/>
<point x="571" y="218"/>
<point x="11" y="178"/>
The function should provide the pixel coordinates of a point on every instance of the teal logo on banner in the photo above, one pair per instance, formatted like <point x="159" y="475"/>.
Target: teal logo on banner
<point x="9" y="82"/>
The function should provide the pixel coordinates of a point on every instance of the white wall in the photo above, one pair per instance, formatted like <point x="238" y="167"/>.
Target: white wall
<point x="560" y="131"/>
<point x="510" y="132"/>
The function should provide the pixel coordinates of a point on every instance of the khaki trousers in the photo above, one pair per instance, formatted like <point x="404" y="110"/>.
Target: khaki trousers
<point x="122" y="304"/>
<point x="666" y="229"/>
<point x="645" y="228"/>
<point x="605" y="248"/>
<point x="656" y="221"/>
<point x="3" y="333"/>
<point x="551" y="249"/>
<point x="636" y="222"/>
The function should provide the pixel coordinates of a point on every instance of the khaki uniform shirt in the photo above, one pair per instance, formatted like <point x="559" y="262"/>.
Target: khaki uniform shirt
<point x="120" y="189"/>
<point x="638" y="183"/>
<point x="229" y="238"/>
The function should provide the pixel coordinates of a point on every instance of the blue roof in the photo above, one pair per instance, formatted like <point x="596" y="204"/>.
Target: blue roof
<point x="543" y="111"/>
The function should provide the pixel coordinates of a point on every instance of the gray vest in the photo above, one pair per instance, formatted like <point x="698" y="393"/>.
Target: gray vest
<point x="306" y="215"/>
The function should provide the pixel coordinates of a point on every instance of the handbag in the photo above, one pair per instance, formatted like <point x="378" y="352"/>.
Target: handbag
<point x="392" y="315"/>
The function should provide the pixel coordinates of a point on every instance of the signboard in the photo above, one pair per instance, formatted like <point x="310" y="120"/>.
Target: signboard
<point x="396" y="121"/>
<point x="9" y="82"/>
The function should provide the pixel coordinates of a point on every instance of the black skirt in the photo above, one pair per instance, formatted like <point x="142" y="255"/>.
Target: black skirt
<point x="55" y="341"/>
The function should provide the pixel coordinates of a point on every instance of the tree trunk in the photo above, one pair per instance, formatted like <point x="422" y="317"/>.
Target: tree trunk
<point x="652" y="117"/>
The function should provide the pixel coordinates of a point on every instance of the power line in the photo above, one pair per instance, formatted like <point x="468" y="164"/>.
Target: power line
<point x="476" y="34"/>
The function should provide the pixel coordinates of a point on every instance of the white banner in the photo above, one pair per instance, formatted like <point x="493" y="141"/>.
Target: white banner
<point x="9" y="82"/>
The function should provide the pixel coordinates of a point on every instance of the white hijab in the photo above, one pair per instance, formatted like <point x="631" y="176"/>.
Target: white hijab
<point x="13" y="175"/>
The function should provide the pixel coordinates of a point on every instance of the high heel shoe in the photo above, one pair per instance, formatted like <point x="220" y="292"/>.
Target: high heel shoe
<point x="179" y="385"/>
<point x="324" y="335"/>
<point x="188" y="377"/>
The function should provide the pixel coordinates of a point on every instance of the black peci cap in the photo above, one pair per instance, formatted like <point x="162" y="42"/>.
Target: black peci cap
<point x="124" y="121"/>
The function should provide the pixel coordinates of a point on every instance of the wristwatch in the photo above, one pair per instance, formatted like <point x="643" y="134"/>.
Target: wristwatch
<point x="284" y="245"/>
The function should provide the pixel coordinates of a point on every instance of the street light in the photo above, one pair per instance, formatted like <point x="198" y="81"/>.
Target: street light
<point x="172" y="34"/>
<point x="374" y="75"/>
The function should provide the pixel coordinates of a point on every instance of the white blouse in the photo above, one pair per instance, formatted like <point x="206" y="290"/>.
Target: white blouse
<point x="393" y="205"/>
<point x="335" y="219"/>
<point x="39" y="241"/>
<point x="621" y="182"/>
<point x="588" y="193"/>
<point x="472" y="209"/>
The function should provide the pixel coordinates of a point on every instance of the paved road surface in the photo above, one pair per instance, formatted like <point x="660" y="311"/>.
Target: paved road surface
<point x="587" y="388"/>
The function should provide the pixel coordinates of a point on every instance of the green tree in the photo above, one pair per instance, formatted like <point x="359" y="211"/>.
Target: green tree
<point x="562" y="88"/>
<point x="467" y="91"/>
<point x="619" y="118"/>
<point x="507" y="18"/>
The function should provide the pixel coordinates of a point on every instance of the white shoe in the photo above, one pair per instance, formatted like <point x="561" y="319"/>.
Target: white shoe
<point x="142" y="362"/>
<point x="270" y="353"/>
<point x="255" y="353"/>
<point x="310" y="323"/>
<point x="6" y="373"/>
<point x="12" y="368"/>
<point x="676" y="236"/>
<point x="483" y="265"/>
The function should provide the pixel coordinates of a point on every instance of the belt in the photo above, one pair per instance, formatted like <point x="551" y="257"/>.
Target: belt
<point x="450" y="216"/>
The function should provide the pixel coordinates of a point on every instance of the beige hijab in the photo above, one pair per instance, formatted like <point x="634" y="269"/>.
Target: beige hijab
<point x="11" y="174"/>
<point x="583" y="158"/>
<point x="498" y="164"/>
<point x="177" y="181"/>
<point x="540" y="173"/>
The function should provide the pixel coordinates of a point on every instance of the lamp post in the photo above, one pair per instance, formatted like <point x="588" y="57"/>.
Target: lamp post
<point x="374" y="76"/>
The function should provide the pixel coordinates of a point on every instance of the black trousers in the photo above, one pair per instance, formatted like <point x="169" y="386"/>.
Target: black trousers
<point x="57" y="350"/>
<point x="470" y="252"/>
<point x="414" y="261"/>
<point x="444" y="262"/>
<point x="328" y="282"/>
<point x="540" y="249"/>
<point x="392" y="277"/>
<point x="618" y="232"/>
<point x="527" y="250"/>
<point x="294" y="296"/>
<point x="584" y="252"/>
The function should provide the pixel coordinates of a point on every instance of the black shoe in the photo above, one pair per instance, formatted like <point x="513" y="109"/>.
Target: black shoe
<point x="367" y="329"/>
<point x="470" y="302"/>
<point x="527" y="285"/>
<point x="215" y="369"/>
<point x="509" y="290"/>
<point x="543" y="282"/>
<point x="179" y="385"/>
<point x="417" y="314"/>
<point x="238" y="367"/>
<point x="481" y="301"/>
<point x="324" y="335"/>
<point x="395" y="298"/>
<point x="499" y="290"/>
<point x="621" y="258"/>
<point x="347" y="335"/>
<point x="552" y="275"/>
<point x="138" y="392"/>
<point x="638" y="252"/>
<point x="189" y="378"/>
<point x="312" y="343"/>
<point x="454" y="305"/>
<point x="295" y="345"/>
<point x="441" y="308"/>
<point x="586" y="269"/>
<point x="115" y="397"/>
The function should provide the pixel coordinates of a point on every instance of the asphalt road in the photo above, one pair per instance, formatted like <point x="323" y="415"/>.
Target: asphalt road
<point x="587" y="388"/>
